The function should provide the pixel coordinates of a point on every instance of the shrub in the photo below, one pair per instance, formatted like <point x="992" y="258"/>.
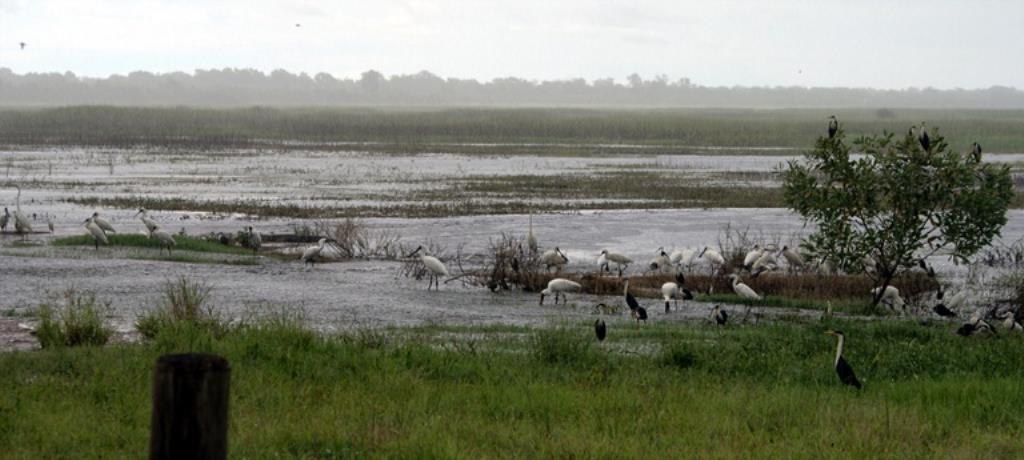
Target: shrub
<point x="184" y="301"/>
<point x="74" y="318"/>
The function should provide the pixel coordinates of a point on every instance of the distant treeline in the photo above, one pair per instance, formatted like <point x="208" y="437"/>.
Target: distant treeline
<point x="247" y="87"/>
<point x="466" y="130"/>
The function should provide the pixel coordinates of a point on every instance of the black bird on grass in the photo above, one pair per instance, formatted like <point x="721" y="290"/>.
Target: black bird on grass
<point x="719" y="315"/>
<point x="600" y="329"/>
<point x="843" y="368"/>
<point x="941" y="310"/>
<point x="833" y="126"/>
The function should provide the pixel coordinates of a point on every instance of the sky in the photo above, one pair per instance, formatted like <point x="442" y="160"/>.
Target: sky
<point x="832" y="43"/>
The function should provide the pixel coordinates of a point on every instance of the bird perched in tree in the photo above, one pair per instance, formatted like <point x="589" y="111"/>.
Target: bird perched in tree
<point x="976" y="152"/>
<point x="600" y="329"/>
<point x="843" y="368"/>
<point x="833" y="126"/>
<point x="922" y="137"/>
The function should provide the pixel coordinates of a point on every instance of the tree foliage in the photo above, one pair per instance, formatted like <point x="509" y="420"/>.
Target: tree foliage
<point x="891" y="204"/>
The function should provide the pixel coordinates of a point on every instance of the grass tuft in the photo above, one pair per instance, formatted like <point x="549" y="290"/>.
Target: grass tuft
<point x="74" y="318"/>
<point x="184" y="303"/>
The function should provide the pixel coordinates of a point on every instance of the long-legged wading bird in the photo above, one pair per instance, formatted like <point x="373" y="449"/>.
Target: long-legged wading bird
<point x="4" y="219"/>
<point x="660" y="261"/>
<point x="843" y="368"/>
<point x="891" y="297"/>
<point x="312" y="253"/>
<point x="22" y="226"/>
<point x="719" y="316"/>
<point x="97" y="233"/>
<point x="752" y="256"/>
<point x="102" y="223"/>
<point x="531" y="241"/>
<point x="675" y="291"/>
<point x="434" y="266"/>
<point x="793" y="258"/>
<point x="600" y="330"/>
<point x="635" y="310"/>
<point x="559" y="287"/>
<point x="165" y="238"/>
<point x="742" y="289"/>
<point x="150" y="224"/>
<point x="682" y="258"/>
<point x="712" y="256"/>
<point x="833" y="126"/>
<point x="554" y="258"/>
<point x="621" y="262"/>
<point x="255" y="240"/>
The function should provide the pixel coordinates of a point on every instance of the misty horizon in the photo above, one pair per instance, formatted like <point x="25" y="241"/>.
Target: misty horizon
<point x="234" y="87"/>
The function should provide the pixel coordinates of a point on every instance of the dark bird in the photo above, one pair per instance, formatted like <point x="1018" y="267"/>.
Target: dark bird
<point x="719" y="315"/>
<point x="23" y="44"/>
<point x="298" y="25"/>
<point x="843" y="368"/>
<point x="922" y="137"/>
<point x="630" y="300"/>
<point x="927" y="268"/>
<point x="833" y="126"/>
<point x="976" y="326"/>
<point x="600" y="330"/>
<point x="641" y="314"/>
<point x="976" y="152"/>
<point x="944" y="312"/>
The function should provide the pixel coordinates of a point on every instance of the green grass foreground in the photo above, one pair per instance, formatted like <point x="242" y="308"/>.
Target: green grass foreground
<point x="468" y="392"/>
<point x="183" y="243"/>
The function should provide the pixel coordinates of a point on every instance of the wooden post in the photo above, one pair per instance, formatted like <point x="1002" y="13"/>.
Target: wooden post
<point x="190" y="407"/>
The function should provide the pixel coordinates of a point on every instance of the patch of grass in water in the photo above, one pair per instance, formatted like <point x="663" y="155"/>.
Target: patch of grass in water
<point x="183" y="243"/>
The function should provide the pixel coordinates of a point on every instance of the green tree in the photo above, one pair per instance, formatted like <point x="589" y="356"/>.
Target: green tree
<point x="892" y="204"/>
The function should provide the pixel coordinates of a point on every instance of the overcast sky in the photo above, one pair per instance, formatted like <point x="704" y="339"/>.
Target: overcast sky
<point x="873" y="43"/>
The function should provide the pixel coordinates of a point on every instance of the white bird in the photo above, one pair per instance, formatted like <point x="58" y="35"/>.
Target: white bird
<point x="752" y="256"/>
<point x="4" y="219"/>
<point x="956" y="301"/>
<point x="531" y="241"/>
<point x="1011" y="322"/>
<point x="890" y="296"/>
<point x="661" y="261"/>
<point x="763" y="264"/>
<point x="682" y="257"/>
<point x="150" y="224"/>
<point x="559" y="287"/>
<point x="743" y="290"/>
<point x="22" y="226"/>
<point x="795" y="260"/>
<point x="712" y="256"/>
<point x="602" y="263"/>
<point x="621" y="262"/>
<point x="255" y="241"/>
<point x="310" y="254"/>
<point x="674" y="291"/>
<point x="554" y="258"/>
<point x="97" y="233"/>
<point x="434" y="266"/>
<point x="102" y="223"/>
<point x="166" y="239"/>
